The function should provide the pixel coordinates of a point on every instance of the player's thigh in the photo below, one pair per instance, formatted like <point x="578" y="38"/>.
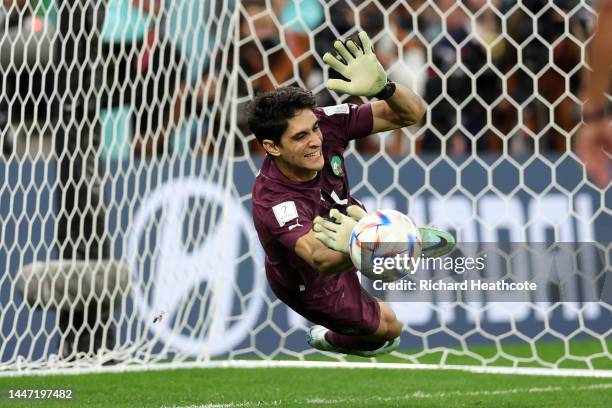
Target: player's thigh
<point x="346" y="309"/>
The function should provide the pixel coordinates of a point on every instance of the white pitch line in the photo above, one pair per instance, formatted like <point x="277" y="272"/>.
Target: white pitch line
<point x="414" y="395"/>
<point x="549" y="372"/>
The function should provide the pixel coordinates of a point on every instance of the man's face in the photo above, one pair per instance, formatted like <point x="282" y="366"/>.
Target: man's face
<point x="299" y="151"/>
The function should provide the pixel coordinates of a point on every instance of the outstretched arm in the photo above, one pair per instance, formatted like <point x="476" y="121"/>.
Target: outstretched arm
<point x="404" y="108"/>
<point x="399" y="106"/>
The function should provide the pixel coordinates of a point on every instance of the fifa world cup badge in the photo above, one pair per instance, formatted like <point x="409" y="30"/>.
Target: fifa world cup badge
<point x="336" y="165"/>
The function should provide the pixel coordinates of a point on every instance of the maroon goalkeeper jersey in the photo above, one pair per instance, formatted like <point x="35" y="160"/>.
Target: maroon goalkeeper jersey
<point x="283" y="210"/>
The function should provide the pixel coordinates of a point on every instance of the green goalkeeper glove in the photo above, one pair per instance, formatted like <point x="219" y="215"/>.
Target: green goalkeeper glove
<point x="366" y="77"/>
<point x="336" y="234"/>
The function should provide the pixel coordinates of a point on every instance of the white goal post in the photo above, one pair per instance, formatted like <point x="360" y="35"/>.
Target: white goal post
<point x="126" y="239"/>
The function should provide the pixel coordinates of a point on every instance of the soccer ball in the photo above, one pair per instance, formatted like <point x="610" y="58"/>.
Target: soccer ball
<point x="382" y="235"/>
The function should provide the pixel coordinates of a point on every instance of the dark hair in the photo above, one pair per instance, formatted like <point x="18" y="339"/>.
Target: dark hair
<point x="269" y="113"/>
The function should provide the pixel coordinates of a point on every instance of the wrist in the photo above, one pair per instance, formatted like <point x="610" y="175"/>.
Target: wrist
<point x="387" y="91"/>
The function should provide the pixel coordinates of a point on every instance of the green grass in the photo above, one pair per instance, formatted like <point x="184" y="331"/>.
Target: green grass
<point x="295" y="387"/>
<point x="335" y="387"/>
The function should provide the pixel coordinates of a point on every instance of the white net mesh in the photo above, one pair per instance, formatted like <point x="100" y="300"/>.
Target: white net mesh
<point x="126" y="234"/>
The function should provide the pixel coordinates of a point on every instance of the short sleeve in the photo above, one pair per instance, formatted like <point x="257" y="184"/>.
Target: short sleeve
<point x="285" y="221"/>
<point x="348" y="120"/>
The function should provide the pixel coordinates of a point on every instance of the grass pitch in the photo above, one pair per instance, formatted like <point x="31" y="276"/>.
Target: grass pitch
<point x="332" y="387"/>
<point x="303" y="387"/>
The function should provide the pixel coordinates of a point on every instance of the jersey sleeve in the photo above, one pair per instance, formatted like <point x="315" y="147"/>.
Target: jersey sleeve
<point x="286" y="221"/>
<point x="349" y="121"/>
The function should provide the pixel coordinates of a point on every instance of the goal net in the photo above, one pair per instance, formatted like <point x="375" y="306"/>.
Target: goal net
<point x="126" y="236"/>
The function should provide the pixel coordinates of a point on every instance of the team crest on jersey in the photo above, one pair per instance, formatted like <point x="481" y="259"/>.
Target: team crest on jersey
<point x="336" y="165"/>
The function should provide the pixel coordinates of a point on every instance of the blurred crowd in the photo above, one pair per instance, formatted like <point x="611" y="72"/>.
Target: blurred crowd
<point x="492" y="83"/>
<point x="499" y="76"/>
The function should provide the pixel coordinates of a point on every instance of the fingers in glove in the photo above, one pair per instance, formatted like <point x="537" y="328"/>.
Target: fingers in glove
<point x="337" y="216"/>
<point x="317" y="224"/>
<point x="326" y="225"/>
<point x="325" y="239"/>
<point x="334" y="63"/>
<point x="339" y="86"/>
<point x="353" y="48"/>
<point x="366" y="44"/>
<point x="334" y="214"/>
<point x="316" y="227"/>
<point x="356" y="212"/>
<point x="344" y="53"/>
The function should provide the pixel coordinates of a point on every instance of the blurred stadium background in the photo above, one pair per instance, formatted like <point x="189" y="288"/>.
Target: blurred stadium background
<point x="125" y="231"/>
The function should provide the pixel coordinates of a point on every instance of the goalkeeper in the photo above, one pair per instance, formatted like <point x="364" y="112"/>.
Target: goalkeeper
<point x="302" y="177"/>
